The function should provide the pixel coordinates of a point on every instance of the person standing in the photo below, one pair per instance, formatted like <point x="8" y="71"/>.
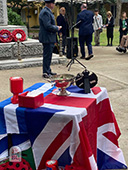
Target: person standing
<point x="47" y="36"/>
<point x="64" y="31"/>
<point x="123" y="23"/>
<point x="97" y="25"/>
<point x="110" y="27"/>
<point x="85" y="17"/>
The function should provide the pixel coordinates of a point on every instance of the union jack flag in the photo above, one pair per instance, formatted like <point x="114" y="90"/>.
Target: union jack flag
<point x="78" y="129"/>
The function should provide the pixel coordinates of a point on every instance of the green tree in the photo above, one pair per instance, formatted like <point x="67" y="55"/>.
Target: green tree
<point x="14" y="18"/>
<point x="118" y="8"/>
<point x="103" y="13"/>
<point x="17" y="5"/>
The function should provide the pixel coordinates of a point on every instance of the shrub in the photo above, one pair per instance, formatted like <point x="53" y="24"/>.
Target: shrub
<point x="14" y="18"/>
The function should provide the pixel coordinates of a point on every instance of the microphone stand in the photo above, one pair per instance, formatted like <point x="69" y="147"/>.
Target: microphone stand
<point x="86" y="76"/>
<point x="73" y="26"/>
<point x="73" y="58"/>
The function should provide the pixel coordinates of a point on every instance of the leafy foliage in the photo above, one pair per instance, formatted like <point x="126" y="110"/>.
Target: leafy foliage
<point x="14" y="18"/>
<point x="103" y="13"/>
<point x="17" y="5"/>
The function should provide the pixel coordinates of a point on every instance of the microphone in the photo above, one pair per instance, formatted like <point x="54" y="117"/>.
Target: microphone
<point x="76" y="24"/>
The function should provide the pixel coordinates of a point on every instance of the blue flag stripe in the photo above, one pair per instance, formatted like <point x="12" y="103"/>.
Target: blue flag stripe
<point x="16" y="140"/>
<point x="36" y="120"/>
<point x="3" y="144"/>
<point x="20" y="113"/>
<point x="104" y="161"/>
<point x="65" y="158"/>
<point x="75" y="89"/>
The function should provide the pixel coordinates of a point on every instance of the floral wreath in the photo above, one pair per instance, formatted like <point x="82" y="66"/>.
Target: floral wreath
<point x="23" y="165"/>
<point x="21" y="32"/>
<point x="5" y="36"/>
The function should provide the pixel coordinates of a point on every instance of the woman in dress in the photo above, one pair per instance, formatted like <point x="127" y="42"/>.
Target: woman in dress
<point x="123" y="25"/>
<point x="110" y="27"/>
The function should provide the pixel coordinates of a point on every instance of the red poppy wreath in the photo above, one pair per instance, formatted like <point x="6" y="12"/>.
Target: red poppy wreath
<point x="5" y="36"/>
<point x="23" y="165"/>
<point x="19" y="34"/>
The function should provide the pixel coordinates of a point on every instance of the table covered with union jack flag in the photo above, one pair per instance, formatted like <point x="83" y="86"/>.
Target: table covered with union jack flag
<point x="79" y="129"/>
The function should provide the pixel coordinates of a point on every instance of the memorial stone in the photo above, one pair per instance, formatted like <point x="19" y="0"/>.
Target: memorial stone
<point x="8" y="51"/>
<point x="4" y="19"/>
<point x="3" y="13"/>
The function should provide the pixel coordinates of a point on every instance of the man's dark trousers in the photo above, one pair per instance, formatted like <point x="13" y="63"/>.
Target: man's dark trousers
<point x="63" y="43"/>
<point x="85" y="39"/>
<point x="47" y="57"/>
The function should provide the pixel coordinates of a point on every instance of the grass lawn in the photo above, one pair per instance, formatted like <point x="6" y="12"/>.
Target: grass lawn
<point x="103" y="37"/>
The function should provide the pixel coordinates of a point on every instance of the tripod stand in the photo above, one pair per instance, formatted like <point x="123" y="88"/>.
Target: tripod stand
<point x="85" y="73"/>
<point x="72" y="55"/>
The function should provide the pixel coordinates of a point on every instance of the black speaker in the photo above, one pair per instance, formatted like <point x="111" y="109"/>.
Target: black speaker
<point x="75" y="47"/>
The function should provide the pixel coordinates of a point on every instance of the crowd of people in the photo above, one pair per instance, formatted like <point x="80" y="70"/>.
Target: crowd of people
<point x="87" y="22"/>
<point x="93" y="23"/>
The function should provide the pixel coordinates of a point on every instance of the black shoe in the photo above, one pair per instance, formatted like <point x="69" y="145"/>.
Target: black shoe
<point x="89" y="57"/>
<point x="82" y="57"/>
<point x="53" y="74"/>
<point x="123" y="49"/>
<point x="97" y="44"/>
<point x="119" y="49"/>
<point x="45" y="75"/>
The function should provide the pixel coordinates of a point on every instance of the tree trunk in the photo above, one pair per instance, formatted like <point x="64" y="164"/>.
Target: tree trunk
<point x="118" y="9"/>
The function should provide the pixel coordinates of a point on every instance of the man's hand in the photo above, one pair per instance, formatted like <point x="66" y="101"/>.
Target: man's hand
<point x="123" y="29"/>
<point x="59" y="27"/>
<point x="60" y="33"/>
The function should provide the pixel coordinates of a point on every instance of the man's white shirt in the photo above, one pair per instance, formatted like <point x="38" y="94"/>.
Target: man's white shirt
<point x="98" y="22"/>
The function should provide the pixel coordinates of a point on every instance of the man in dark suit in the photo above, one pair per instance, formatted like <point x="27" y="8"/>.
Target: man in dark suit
<point x="64" y="32"/>
<point x="47" y="35"/>
<point x="85" y="30"/>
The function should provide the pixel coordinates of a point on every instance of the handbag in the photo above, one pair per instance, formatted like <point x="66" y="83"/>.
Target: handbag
<point x="100" y="30"/>
<point x="56" y="48"/>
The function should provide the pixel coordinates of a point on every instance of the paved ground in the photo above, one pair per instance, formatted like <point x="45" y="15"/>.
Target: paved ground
<point x="112" y="69"/>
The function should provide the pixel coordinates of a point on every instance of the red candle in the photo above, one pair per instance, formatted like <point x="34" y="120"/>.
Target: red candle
<point x="16" y="87"/>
